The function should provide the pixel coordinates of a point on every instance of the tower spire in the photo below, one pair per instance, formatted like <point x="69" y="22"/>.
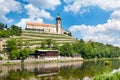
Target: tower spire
<point x="58" y="17"/>
<point x="58" y="24"/>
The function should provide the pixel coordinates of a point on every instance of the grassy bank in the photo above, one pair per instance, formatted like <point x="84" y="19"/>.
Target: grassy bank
<point x="114" y="76"/>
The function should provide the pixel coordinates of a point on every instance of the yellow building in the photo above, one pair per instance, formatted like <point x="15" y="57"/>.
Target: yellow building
<point x="47" y="28"/>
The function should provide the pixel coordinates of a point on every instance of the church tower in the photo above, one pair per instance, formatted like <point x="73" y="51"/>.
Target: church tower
<point x="59" y="29"/>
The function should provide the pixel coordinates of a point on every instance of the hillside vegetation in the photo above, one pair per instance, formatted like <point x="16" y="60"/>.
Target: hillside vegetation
<point x="90" y="49"/>
<point x="19" y="47"/>
<point x="34" y="38"/>
<point x="67" y="45"/>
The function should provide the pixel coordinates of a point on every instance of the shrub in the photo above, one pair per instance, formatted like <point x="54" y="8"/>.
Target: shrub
<point x="1" y="58"/>
<point x="107" y="63"/>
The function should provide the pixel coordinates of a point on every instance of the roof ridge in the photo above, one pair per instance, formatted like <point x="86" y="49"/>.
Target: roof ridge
<point x="39" y="24"/>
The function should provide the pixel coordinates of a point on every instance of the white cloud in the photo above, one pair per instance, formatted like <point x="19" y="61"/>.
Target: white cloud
<point x="45" y="4"/>
<point x="106" y="33"/>
<point x="7" y="6"/>
<point x="23" y="21"/>
<point x="35" y="12"/>
<point x="82" y="6"/>
<point x="116" y="15"/>
<point x="34" y="15"/>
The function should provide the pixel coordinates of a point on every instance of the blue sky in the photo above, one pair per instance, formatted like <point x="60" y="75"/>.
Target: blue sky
<point x="98" y="20"/>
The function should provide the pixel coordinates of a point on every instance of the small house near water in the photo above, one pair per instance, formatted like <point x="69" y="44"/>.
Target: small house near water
<point x="46" y="54"/>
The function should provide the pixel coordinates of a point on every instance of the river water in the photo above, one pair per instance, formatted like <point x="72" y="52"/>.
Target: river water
<point x="57" y="71"/>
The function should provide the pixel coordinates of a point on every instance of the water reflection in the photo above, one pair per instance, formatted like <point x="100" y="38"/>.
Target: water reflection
<point x="56" y="71"/>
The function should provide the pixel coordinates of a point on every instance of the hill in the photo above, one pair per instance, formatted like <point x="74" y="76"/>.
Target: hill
<point x="35" y="37"/>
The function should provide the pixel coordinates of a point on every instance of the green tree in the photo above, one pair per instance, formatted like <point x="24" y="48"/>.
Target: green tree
<point x="20" y="43"/>
<point x="66" y="50"/>
<point x="11" y="45"/>
<point x="4" y="34"/>
<point x="2" y="26"/>
<point x="17" y="31"/>
<point x="15" y="49"/>
<point x="14" y="54"/>
<point x="49" y="42"/>
<point x="24" y="53"/>
<point x="6" y="26"/>
<point x="55" y="45"/>
<point x="43" y="44"/>
<point x="89" y="49"/>
<point x="27" y="44"/>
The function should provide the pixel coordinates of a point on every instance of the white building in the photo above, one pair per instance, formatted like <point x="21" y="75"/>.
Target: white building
<point x="47" y="28"/>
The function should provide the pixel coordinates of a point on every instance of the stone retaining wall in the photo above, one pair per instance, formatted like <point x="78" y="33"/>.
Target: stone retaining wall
<point x="41" y="60"/>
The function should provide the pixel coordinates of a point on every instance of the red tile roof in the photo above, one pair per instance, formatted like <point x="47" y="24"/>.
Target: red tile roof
<point x="39" y="24"/>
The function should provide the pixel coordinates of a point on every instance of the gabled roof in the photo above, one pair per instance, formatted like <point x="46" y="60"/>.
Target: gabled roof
<point x="39" y="24"/>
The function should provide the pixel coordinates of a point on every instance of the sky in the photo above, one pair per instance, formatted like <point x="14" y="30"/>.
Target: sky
<point x="98" y="20"/>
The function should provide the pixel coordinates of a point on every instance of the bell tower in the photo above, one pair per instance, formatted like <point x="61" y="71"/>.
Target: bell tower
<point x="58" y="24"/>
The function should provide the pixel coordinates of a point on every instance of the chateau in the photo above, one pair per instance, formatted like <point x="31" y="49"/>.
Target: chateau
<point x="47" y="28"/>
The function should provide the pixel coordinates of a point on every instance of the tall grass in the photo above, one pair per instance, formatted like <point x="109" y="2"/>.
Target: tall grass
<point x="114" y="76"/>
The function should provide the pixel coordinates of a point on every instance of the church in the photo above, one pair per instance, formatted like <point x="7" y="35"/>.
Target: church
<point x="47" y="28"/>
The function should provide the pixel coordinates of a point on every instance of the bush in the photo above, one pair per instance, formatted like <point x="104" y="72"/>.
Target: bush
<point x="8" y="63"/>
<point x="1" y="58"/>
<point x="107" y="63"/>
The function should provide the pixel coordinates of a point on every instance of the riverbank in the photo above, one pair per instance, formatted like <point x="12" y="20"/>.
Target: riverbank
<point x="99" y="59"/>
<point x="44" y="60"/>
<point x="60" y="59"/>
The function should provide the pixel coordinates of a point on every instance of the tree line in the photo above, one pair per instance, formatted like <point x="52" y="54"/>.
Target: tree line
<point x="89" y="50"/>
<point x="6" y="32"/>
<point x="19" y="49"/>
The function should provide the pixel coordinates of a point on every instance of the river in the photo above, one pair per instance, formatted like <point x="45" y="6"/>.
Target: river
<point x="82" y="70"/>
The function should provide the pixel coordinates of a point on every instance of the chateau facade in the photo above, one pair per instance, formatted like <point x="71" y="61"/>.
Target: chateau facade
<point x="47" y="28"/>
